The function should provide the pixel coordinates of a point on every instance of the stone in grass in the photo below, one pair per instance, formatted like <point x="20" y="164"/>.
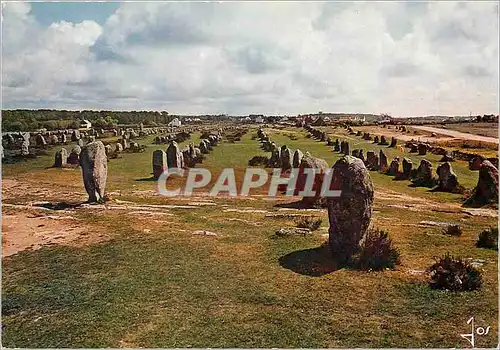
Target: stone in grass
<point x="290" y="231"/>
<point x="204" y="233"/>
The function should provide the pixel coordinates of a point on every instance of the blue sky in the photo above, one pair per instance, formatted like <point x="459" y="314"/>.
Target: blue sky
<point x="401" y="58"/>
<point x="50" y="12"/>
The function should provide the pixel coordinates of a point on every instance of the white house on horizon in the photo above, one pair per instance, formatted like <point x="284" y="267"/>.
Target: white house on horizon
<point x="175" y="122"/>
<point x="85" y="124"/>
<point x="259" y="119"/>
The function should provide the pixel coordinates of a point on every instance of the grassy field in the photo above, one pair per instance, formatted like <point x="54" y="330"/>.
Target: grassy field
<point x="153" y="283"/>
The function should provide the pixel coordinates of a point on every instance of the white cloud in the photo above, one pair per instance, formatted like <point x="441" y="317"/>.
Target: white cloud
<point x="402" y="58"/>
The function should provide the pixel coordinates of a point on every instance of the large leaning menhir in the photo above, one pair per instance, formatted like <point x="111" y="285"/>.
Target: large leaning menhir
<point x="349" y="214"/>
<point x="94" y="165"/>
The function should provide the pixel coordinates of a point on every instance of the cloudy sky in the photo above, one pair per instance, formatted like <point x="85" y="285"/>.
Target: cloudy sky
<point x="402" y="58"/>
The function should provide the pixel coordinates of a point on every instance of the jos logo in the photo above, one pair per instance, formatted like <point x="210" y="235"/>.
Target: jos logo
<point x="474" y="331"/>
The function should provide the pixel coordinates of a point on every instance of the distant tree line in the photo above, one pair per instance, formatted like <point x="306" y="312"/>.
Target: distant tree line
<point x="487" y="118"/>
<point x="30" y="120"/>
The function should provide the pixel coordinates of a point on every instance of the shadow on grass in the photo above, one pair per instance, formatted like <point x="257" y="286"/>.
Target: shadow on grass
<point x="314" y="262"/>
<point x="151" y="178"/>
<point x="293" y="205"/>
<point x="303" y="204"/>
<point x="61" y="205"/>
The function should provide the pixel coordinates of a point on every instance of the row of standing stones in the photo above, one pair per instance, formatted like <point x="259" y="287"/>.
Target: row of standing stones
<point x="486" y="190"/>
<point x="173" y="157"/>
<point x="21" y="143"/>
<point x="63" y="159"/>
<point x="350" y="214"/>
<point x="93" y="159"/>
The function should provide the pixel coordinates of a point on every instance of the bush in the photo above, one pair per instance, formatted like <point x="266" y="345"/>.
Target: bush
<point x="258" y="160"/>
<point x="488" y="239"/>
<point x="378" y="252"/>
<point x="455" y="274"/>
<point x="453" y="230"/>
<point x="310" y="223"/>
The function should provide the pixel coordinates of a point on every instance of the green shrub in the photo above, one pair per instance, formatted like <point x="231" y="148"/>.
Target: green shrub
<point x="378" y="252"/>
<point x="453" y="230"/>
<point x="454" y="274"/>
<point x="310" y="223"/>
<point x="488" y="239"/>
<point x="259" y="160"/>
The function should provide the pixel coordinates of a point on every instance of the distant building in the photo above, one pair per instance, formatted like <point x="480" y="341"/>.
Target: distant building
<point x="85" y="124"/>
<point x="259" y="119"/>
<point x="175" y="122"/>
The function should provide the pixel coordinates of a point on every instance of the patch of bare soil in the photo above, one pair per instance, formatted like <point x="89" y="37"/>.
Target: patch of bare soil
<point x="457" y="134"/>
<point x="13" y="189"/>
<point x="403" y="201"/>
<point x="27" y="230"/>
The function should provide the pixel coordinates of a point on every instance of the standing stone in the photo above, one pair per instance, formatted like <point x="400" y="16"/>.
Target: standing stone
<point x="94" y="170"/>
<point x="64" y="139"/>
<point x="355" y="153"/>
<point x="159" y="163"/>
<point x="125" y="143"/>
<point x="286" y="158"/>
<point x="9" y="139"/>
<point x="53" y="139"/>
<point x="361" y="155"/>
<point x="394" y="142"/>
<point x="134" y="146"/>
<point x="423" y="175"/>
<point x="61" y="158"/>
<point x="297" y="158"/>
<point x="174" y="156"/>
<point x="75" y="136"/>
<point x="486" y="190"/>
<point x="115" y="132"/>
<point x="383" y="140"/>
<point x="118" y="147"/>
<point x="336" y="145"/>
<point x="321" y="167"/>
<point x="383" y="162"/>
<point x="422" y="149"/>
<point x="203" y="147"/>
<point x="376" y="140"/>
<point x="40" y="140"/>
<point x="275" y="160"/>
<point x="407" y="167"/>
<point x="476" y="162"/>
<point x="25" y="148"/>
<point x="74" y="155"/>
<point x="346" y="148"/>
<point x="350" y="214"/>
<point x="80" y="143"/>
<point x="394" y="167"/>
<point x="413" y="148"/>
<point x="371" y="161"/>
<point x="108" y="150"/>
<point x="198" y="155"/>
<point x="447" y="179"/>
<point x="209" y="145"/>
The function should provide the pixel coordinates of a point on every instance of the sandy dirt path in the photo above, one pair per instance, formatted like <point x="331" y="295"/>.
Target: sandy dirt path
<point x="456" y="134"/>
